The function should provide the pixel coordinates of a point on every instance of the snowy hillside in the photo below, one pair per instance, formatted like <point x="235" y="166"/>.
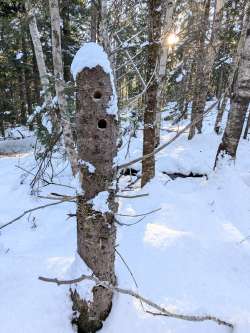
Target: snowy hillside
<point x="191" y="255"/>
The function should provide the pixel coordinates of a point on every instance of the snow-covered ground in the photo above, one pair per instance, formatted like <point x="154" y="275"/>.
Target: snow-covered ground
<point x="192" y="256"/>
<point x="17" y="139"/>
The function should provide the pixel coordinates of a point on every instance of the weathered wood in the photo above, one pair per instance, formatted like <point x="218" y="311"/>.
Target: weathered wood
<point x="97" y="134"/>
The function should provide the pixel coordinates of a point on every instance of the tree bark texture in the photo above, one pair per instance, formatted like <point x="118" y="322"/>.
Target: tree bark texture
<point x="149" y="132"/>
<point x="97" y="134"/>
<point x="247" y="127"/>
<point x="219" y="117"/>
<point x="240" y="97"/>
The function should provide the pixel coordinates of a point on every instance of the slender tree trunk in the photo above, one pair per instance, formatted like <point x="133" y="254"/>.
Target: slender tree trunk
<point x="205" y="63"/>
<point x="38" y="52"/>
<point x="60" y="85"/>
<point x="221" y="110"/>
<point x="149" y="132"/>
<point x="66" y="38"/>
<point x="167" y="14"/>
<point x="21" y="86"/>
<point x="36" y="82"/>
<point x="199" y="84"/>
<point x="27" y="77"/>
<point x="247" y="127"/>
<point x="97" y="133"/>
<point x="241" y="96"/>
<point x="104" y="37"/>
<point x="94" y="29"/>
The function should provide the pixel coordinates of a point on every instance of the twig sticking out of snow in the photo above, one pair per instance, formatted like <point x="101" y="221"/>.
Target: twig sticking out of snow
<point x="162" y="311"/>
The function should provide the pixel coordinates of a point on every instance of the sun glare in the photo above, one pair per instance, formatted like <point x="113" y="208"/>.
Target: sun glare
<point x="172" y="39"/>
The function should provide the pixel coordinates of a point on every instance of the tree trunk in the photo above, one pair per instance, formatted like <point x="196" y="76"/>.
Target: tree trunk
<point x="104" y="36"/>
<point x="95" y="22"/>
<point x="26" y="76"/>
<point x="36" y="82"/>
<point x="21" y="86"/>
<point x="167" y="14"/>
<point x="206" y="58"/>
<point x="247" y="127"/>
<point x="35" y="36"/>
<point x="97" y="133"/>
<point x="60" y="85"/>
<point x="149" y="132"/>
<point x="38" y="52"/>
<point x="240" y="98"/>
<point x="67" y="41"/>
<point x="221" y="110"/>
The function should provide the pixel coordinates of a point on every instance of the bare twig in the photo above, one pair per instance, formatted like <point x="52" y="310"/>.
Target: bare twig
<point x="162" y="311"/>
<point x="64" y="198"/>
<point x="129" y="224"/>
<point x="132" y="196"/>
<point x="128" y="268"/>
<point x="30" y="211"/>
<point x="138" y="215"/>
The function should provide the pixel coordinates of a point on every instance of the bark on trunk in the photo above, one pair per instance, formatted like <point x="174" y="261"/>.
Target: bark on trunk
<point x="167" y="15"/>
<point x="149" y="132"/>
<point x="35" y="36"/>
<point x="97" y="133"/>
<point x="241" y="96"/>
<point x="205" y="63"/>
<point x="27" y="77"/>
<point x="95" y="22"/>
<point x="220" y="114"/>
<point x="66" y="39"/>
<point x="104" y="36"/>
<point x="21" y="85"/>
<point x="247" y="127"/>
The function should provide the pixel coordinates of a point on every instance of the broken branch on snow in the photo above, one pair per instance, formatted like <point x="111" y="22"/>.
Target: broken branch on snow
<point x="162" y="311"/>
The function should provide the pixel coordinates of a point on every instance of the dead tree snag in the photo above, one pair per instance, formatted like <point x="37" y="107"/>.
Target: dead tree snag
<point x="97" y="133"/>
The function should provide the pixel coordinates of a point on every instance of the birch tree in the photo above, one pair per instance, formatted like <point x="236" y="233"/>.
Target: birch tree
<point x="60" y="84"/>
<point x="35" y="36"/>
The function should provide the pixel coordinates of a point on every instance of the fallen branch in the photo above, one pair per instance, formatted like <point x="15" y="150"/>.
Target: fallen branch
<point x="32" y="210"/>
<point x="162" y="311"/>
<point x="157" y="150"/>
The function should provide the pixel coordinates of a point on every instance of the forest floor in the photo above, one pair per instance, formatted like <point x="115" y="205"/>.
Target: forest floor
<point x="191" y="256"/>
